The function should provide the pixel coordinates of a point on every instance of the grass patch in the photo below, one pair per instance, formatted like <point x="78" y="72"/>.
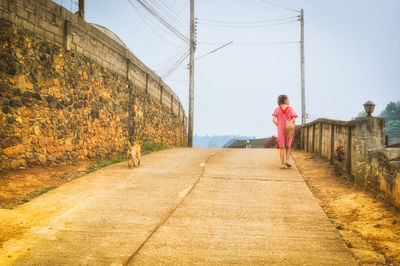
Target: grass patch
<point x="102" y="164"/>
<point x="44" y="190"/>
<point x="149" y="147"/>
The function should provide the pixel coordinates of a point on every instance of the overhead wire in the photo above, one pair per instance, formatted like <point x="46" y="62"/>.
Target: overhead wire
<point x="176" y="65"/>
<point x="175" y="15"/>
<point x="244" y="22"/>
<point x="140" y="13"/>
<point x="162" y="13"/>
<point x="213" y="51"/>
<point x="280" y="6"/>
<point x="172" y="59"/>
<point x="249" y="26"/>
<point x="163" y="20"/>
<point x="251" y="43"/>
<point x="173" y="20"/>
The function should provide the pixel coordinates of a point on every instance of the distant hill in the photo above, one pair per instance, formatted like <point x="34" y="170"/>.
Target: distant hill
<point x="216" y="141"/>
<point x="254" y="143"/>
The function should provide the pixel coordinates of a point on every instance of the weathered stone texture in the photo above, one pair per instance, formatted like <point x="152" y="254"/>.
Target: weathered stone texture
<point x="373" y="167"/>
<point x="57" y="106"/>
<point x="380" y="172"/>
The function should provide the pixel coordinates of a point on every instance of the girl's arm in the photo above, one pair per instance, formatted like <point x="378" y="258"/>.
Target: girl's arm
<point x="274" y="120"/>
<point x="294" y="115"/>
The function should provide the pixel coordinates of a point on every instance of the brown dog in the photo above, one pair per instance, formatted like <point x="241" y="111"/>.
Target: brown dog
<point x="133" y="154"/>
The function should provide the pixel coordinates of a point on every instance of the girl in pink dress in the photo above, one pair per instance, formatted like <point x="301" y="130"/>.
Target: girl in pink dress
<point x="284" y="113"/>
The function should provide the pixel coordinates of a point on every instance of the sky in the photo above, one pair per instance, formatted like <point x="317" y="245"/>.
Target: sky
<point x="352" y="55"/>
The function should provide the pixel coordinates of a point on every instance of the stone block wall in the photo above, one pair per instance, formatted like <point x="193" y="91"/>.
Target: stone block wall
<point x="380" y="172"/>
<point x="373" y="166"/>
<point x="59" y="104"/>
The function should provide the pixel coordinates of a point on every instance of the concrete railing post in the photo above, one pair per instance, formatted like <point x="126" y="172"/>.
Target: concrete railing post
<point x="161" y="93"/>
<point x="313" y="139"/>
<point x="332" y="142"/>
<point x="349" y="147"/>
<point x="128" y="68"/>
<point x="147" y="83"/>
<point x="67" y="35"/>
<point x="320" y="139"/>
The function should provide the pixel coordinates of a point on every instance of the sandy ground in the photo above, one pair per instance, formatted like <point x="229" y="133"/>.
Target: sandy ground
<point x="18" y="187"/>
<point x="369" y="226"/>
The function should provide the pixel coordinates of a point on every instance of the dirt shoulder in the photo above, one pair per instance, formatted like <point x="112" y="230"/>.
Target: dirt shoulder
<point x="368" y="226"/>
<point x="18" y="187"/>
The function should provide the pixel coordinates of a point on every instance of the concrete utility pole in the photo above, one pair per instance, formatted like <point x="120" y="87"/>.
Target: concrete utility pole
<point x="191" y="75"/>
<point x="81" y="11"/>
<point x="303" y="93"/>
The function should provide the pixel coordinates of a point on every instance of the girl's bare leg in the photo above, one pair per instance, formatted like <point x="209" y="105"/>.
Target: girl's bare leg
<point x="282" y="153"/>
<point x="287" y="154"/>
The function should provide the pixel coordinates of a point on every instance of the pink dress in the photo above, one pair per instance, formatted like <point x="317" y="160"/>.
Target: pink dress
<point x="283" y="116"/>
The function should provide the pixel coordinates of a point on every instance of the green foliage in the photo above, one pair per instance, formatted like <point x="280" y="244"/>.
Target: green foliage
<point x="149" y="147"/>
<point x="392" y="116"/>
<point x="392" y="111"/>
<point x="393" y="129"/>
<point x="362" y="114"/>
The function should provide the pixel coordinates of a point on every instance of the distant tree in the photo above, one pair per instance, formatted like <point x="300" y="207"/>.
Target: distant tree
<point x="362" y="114"/>
<point x="392" y="111"/>
<point x="393" y="129"/>
<point x="392" y="116"/>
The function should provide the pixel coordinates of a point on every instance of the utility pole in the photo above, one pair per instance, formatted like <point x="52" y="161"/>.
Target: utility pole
<point x="303" y="93"/>
<point x="81" y="11"/>
<point x="191" y="75"/>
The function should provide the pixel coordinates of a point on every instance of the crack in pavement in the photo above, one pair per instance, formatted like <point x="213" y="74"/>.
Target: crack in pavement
<point x="186" y="194"/>
<point x="254" y="179"/>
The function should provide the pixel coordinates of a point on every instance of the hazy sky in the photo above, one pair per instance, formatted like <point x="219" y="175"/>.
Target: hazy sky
<point x="352" y="52"/>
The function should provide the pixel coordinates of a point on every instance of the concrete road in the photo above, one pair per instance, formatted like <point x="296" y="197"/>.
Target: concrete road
<point x="181" y="207"/>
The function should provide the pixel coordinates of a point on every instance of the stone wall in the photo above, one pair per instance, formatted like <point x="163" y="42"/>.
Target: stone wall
<point x="380" y="172"/>
<point x="59" y="104"/>
<point x="365" y="158"/>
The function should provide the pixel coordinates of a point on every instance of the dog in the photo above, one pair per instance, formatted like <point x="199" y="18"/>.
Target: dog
<point x="132" y="154"/>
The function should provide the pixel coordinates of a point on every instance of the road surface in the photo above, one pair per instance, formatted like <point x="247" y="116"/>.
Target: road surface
<point x="181" y="207"/>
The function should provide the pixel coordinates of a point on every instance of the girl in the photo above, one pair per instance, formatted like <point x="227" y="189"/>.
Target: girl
<point x="282" y="114"/>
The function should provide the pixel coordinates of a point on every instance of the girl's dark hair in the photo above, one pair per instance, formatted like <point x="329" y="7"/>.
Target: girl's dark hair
<point x="282" y="99"/>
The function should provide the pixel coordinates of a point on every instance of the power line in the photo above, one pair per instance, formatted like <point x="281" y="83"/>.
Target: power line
<point x="251" y="43"/>
<point x="250" y="26"/>
<point x="139" y="12"/>
<point x="175" y="14"/>
<point x="283" y="7"/>
<point x="213" y="51"/>
<point x="244" y="22"/>
<point x="179" y="23"/>
<point x="172" y="59"/>
<point x="163" y="20"/>
<point x="176" y="65"/>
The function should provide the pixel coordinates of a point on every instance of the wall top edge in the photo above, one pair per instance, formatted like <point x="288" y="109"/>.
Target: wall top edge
<point x="343" y="123"/>
<point x="94" y="32"/>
